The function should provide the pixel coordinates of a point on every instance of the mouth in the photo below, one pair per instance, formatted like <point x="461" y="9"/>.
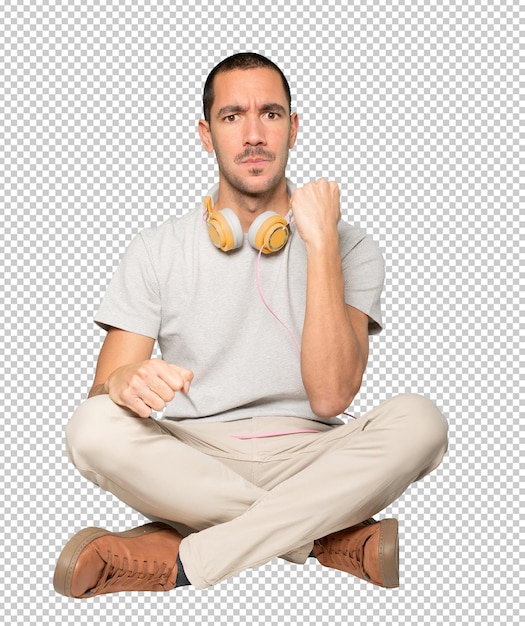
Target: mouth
<point x="255" y="161"/>
<point x="254" y="157"/>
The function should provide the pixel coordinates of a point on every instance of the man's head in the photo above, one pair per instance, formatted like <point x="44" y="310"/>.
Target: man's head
<point x="240" y="61"/>
<point x="249" y="126"/>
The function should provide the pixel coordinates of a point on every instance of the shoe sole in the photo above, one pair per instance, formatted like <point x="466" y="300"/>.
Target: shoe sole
<point x="69" y="556"/>
<point x="389" y="553"/>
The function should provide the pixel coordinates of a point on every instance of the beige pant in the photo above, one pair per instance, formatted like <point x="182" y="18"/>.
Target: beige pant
<point x="241" y="502"/>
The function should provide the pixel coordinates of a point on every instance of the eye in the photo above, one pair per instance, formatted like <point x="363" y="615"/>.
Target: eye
<point x="272" y="115"/>
<point x="231" y="118"/>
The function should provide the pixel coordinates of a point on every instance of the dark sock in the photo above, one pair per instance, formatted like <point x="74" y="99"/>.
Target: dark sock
<point x="182" y="579"/>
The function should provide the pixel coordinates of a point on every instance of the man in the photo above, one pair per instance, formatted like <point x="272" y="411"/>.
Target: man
<point x="250" y="461"/>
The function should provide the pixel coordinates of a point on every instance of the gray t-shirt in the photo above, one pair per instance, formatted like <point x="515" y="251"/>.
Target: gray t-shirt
<point x="204" y="308"/>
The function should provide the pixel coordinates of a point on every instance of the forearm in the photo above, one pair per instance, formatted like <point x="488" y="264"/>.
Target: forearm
<point x="332" y="360"/>
<point x="97" y="390"/>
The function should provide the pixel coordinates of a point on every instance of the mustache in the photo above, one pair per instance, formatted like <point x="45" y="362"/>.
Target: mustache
<point x="249" y="153"/>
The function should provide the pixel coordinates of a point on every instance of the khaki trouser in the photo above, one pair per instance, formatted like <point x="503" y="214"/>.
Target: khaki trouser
<point x="241" y="502"/>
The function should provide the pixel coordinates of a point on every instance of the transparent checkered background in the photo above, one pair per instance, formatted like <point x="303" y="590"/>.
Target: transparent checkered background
<point x="414" y="108"/>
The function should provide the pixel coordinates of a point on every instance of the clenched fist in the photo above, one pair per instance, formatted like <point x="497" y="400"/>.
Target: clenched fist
<point x="316" y="209"/>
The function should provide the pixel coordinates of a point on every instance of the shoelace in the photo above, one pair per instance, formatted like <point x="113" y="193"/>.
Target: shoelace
<point x="356" y="554"/>
<point x="125" y="578"/>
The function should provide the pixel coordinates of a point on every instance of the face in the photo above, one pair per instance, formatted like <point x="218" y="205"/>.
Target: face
<point x="250" y="130"/>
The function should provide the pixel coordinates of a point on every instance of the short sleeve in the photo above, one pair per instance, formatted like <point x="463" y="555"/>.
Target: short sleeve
<point x="132" y="301"/>
<point x="364" y="274"/>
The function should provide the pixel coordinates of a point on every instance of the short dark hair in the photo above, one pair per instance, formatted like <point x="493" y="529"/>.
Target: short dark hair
<point x="239" y="61"/>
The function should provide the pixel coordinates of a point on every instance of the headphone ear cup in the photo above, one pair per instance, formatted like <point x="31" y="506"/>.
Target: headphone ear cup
<point x="269" y="232"/>
<point x="225" y="230"/>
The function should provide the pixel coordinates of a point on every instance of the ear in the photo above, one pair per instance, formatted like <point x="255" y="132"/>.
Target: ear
<point x="205" y="135"/>
<point x="294" y="128"/>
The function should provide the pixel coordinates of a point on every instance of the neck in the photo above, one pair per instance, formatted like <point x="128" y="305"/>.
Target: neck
<point x="248" y="206"/>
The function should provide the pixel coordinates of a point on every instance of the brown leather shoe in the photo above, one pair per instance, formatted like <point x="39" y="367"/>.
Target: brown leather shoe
<point x="369" y="550"/>
<point x="96" y="561"/>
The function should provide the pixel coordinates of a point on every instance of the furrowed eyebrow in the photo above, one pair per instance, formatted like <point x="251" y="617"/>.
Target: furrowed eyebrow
<point x="232" y="109"/>
<point x="274" y="106"/>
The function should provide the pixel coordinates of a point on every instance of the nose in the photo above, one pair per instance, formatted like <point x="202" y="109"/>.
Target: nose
<point x="254" y="131"/>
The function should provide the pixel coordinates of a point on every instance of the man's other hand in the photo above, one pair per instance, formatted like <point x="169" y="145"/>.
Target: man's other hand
<point x="148" y="385"/>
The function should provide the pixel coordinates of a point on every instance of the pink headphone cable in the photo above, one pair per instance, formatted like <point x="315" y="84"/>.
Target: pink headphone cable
<point x="259" y="288"/>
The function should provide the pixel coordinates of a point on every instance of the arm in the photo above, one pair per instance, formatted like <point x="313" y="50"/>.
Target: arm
<point x="126" y="371"/>
<point x="334" y="349"/>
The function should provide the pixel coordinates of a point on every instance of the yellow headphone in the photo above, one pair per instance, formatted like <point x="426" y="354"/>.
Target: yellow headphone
<point x="268" y="233"/>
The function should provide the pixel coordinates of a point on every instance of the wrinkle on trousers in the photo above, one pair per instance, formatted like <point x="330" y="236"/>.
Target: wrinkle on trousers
<point x="245" y="502"/>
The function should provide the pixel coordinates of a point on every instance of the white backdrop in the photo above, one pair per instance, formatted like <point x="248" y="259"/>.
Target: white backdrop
<point x="413" y="108"/>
